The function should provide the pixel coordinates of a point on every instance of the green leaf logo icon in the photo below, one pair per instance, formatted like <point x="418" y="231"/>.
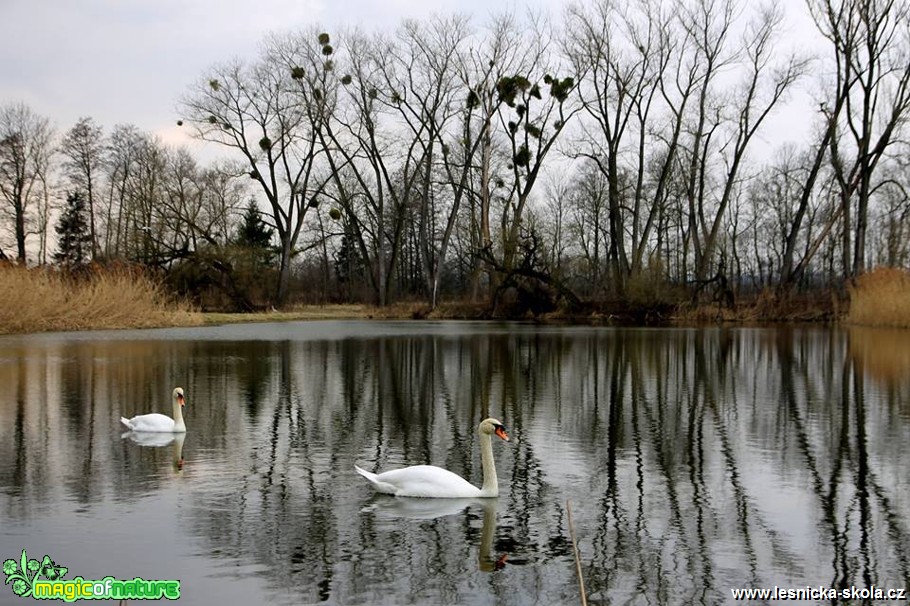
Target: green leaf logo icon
<point x="51" y="571"/>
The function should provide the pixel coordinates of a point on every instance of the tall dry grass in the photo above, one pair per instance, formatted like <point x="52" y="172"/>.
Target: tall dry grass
<point x="881" y="298"/>
<point x="41" y="300"/>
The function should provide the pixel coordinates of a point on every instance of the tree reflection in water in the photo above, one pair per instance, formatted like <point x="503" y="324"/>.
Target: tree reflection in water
<point x="696" y="460"/>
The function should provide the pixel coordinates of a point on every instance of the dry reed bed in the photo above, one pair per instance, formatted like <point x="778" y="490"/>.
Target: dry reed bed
<point x="41" y="300"/>
<point x="881" y="298"/>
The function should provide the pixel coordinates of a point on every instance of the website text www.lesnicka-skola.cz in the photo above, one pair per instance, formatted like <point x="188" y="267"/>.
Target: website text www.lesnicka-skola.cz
<point x="820" y="593"/>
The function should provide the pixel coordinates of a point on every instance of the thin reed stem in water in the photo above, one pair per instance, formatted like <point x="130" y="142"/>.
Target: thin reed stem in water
<point x="581" y="580"/>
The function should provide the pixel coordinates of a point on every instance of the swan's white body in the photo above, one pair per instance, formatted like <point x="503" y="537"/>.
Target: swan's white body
<point x="159" y="423"/>
<point x="435" y="482"/>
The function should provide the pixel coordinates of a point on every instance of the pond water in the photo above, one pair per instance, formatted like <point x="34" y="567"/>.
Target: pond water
<point x="694" y="461"/>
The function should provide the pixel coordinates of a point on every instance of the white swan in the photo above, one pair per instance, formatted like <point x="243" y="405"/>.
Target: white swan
<point x="432" y="481"/>
<point x="156" y="422"/>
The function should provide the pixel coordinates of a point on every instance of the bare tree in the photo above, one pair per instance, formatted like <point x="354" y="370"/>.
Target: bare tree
<point x="147" y="229"/>
<point x="223" y="195"/>
<point x="783" y="216"/>
<point x="587" y="225"/>
<point x="181" y="207"/>
<point x="26" y="141"/>
<point x="120" y="163"/>
<point x="83" y="149"/>
<point x="360" y="149"/>
<point x="791" y="270"/>
<point x="554" y="224"/>
<point x="765" y="82"/>
<point x="624" y="51"/>
<point x="271" y="112"/>
<point x="423" y="70"/>
<point x="868" y="105"/>
<point x="201" y="206"/>
<point x="893" y="221"/>
<point x="535" y="107"/>
<point x="384" y="138"/>
<point x="472" y="158"/>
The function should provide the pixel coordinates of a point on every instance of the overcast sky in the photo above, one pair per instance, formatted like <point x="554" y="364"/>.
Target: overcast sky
<point x="129" y="61"/>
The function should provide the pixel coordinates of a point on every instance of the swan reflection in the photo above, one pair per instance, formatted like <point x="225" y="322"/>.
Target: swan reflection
<point x="419" y="509"/>
<point x="153" y="440"/>
<point x="160" y="440"/>
<point x="485" y="559"/>
<point x="386" y="508"/>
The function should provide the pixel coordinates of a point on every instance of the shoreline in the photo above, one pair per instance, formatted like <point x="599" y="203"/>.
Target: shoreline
<point x="618" y="315"/>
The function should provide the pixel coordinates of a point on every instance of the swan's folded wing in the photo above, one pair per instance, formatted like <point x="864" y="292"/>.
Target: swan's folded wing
<point x="152" y="422"/>
<point x="427" y="481"/>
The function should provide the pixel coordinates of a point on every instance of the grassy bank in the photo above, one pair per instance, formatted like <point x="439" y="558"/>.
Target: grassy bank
<point x="42" y="300"/>
<point x="335" y="311"/>
<point x="307" y="312"/>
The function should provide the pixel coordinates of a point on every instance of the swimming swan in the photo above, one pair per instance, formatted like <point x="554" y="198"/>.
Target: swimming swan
<point x="156" y="422"/>
<point x="432" y="481"/>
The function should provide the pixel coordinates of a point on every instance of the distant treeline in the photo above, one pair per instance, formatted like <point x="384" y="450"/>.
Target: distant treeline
<point x="608" y="154"/>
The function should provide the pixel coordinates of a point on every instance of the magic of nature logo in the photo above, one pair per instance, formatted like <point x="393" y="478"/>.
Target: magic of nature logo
<point x="44" y="580"/>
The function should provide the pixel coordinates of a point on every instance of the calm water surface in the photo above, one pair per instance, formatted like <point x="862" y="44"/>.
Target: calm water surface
<point x="694" y="461"/>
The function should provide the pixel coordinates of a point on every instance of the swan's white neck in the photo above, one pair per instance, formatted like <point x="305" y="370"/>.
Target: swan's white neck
<point x="179" y="425"/>
<point x="490" y="482"/>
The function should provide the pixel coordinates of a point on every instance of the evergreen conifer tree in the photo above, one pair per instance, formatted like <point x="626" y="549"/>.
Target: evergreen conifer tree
<point x="253" y="233"/>
<point x="74" y="242"/>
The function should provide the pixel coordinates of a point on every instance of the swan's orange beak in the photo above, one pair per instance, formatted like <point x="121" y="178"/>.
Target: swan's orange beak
<point x="501" y="432"/>
<point x="181" y="400"/>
